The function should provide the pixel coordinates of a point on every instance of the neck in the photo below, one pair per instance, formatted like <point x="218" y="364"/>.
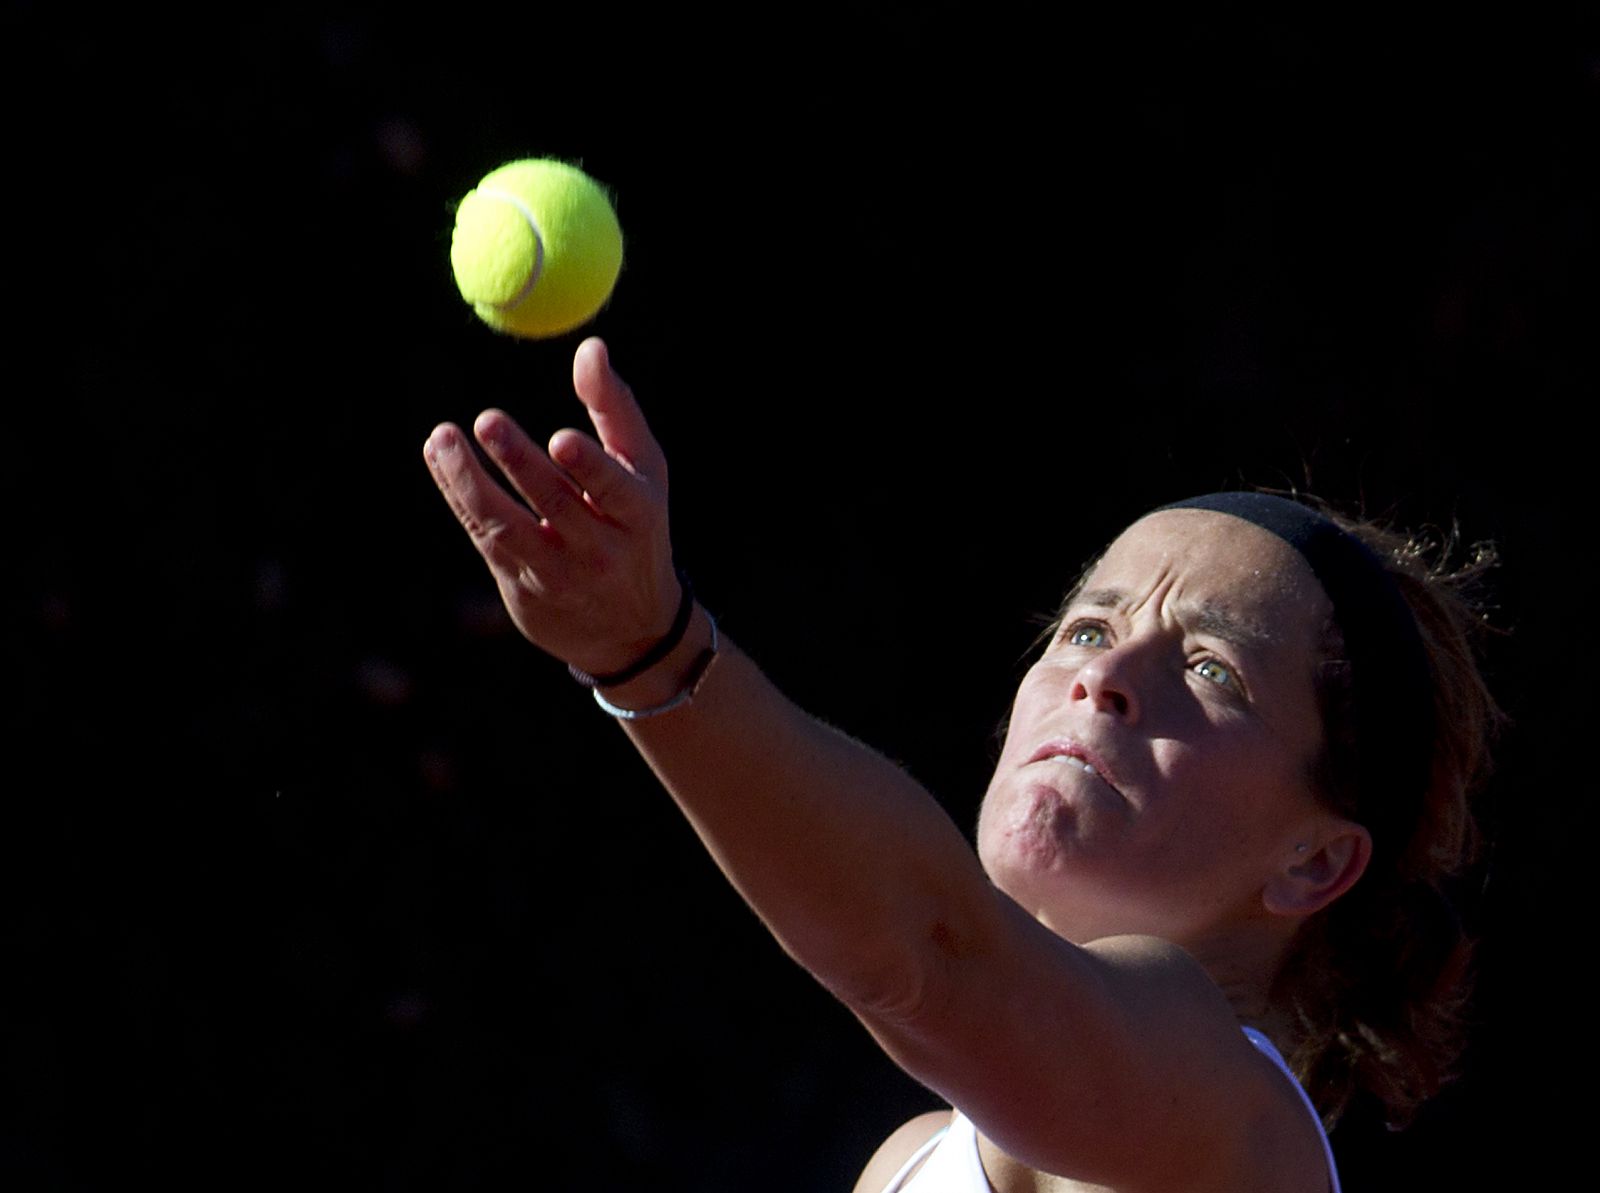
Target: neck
<point x="1242" y="956"/>
<point x="1244" y="962"/>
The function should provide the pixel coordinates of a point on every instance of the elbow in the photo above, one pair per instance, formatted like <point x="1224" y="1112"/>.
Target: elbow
<point x="907" y="986"/>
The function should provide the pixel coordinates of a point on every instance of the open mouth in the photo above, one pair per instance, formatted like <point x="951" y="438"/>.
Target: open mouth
<point x="1071" y="754"/>
<point x="1073" y="760"/>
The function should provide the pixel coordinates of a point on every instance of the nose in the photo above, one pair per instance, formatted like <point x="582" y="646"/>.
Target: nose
<point x="1109" y="681"/>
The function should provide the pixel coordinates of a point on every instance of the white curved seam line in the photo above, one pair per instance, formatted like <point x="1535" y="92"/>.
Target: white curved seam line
<point x="538" y="245"/>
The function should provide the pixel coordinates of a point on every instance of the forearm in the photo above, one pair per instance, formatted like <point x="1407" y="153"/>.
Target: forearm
<point x="1050" y="1048"/>
<point x="865" y="881"/>
<point x="855" y="869"/>
<point x="853" y="866"/>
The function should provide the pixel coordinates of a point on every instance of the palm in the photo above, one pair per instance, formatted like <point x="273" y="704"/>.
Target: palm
<point x="585" y="567"/>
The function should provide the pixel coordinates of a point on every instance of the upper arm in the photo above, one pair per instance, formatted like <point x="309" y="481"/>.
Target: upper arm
<point x="893" y="1153"/>
<point x="1111" y="1063"/>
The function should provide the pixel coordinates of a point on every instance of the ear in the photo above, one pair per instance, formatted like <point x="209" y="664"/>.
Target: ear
<point x="1323" y="865"/>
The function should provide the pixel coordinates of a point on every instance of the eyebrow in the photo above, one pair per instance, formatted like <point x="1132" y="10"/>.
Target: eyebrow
<point x="1215" y="620"/>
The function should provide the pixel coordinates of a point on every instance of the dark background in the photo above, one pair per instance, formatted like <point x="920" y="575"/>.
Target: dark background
<point x="318" y="872"/>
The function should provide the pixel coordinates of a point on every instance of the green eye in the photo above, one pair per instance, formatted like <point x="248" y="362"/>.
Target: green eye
<point x="1216" y="672"/>
<point x="1086" y="635"/>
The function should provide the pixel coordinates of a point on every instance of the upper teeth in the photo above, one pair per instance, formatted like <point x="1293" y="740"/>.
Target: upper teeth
<point x="1076" y="761"/>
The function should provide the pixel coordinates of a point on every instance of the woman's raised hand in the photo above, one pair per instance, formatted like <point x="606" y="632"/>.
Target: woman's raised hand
<point x="585" y="568"/>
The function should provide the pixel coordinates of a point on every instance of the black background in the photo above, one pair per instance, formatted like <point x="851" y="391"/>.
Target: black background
<point x="318" y="871"/>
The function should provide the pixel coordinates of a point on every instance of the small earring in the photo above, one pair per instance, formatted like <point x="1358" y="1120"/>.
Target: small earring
<point x="1299" y="848"/>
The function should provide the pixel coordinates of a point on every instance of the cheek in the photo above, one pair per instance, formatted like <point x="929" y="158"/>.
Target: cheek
<point x="1043" y="690"/>
<point x="985" y="835"/>
<point x="988" y="834"/>
<point x="1234" y="798"/>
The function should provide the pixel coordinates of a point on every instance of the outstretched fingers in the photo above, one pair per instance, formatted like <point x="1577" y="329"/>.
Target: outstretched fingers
<point x="542" y="485"/>
<point x="614" y="491"/>
<point x="616" y="416"/>
<point x="504" y="532"/>
<point x="585" y="566"/>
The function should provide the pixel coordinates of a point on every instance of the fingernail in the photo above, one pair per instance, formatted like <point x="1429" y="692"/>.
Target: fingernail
<point x="443" y="442"/>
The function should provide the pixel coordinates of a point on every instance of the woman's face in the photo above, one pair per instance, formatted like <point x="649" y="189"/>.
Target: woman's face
<point x="1157" y="767"/>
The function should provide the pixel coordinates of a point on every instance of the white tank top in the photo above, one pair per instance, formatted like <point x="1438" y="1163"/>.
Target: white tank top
<point x="954" y="1165"/>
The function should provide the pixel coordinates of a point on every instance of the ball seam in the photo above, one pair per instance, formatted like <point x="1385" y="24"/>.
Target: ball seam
<point x="538" y="245"/>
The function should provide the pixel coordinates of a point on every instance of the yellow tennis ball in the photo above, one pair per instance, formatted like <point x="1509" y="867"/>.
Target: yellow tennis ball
<point x="537" y="248"/>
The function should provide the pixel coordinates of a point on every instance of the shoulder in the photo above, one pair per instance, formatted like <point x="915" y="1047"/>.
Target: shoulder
<point x="1205" y="1104"/>
<point x="1262" y="1120"/>
<point x="900" y="1147"/>
<point x="1120" y="1063"/>
<point x="1151" y="956"/>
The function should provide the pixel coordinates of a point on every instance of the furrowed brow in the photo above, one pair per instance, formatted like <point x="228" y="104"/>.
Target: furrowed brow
<point x="1219" y="622"/>
<point x="1101" y="598"/>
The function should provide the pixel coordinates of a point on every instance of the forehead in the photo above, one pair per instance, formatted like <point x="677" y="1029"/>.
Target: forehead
<point x="1206" y="560"/>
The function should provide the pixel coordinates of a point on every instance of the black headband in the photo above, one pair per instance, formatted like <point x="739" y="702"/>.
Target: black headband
<point x="1390" y="676"/>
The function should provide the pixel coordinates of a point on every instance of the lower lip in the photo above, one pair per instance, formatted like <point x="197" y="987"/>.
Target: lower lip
<point x="1072" y="768"/>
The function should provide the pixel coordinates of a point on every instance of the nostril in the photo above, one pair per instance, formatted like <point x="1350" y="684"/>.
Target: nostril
<point x="1102" y="696"/>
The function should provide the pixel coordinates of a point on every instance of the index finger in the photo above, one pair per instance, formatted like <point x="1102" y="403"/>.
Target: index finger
<point x="489" y="515"/>
<point x="616" y="415"/>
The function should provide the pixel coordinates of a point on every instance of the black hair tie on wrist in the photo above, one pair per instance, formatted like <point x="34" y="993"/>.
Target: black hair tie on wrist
<point x="680" y="626"/>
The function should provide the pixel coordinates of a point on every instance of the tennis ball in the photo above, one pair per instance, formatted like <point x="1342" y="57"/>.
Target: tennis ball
<point x="537" y="248"/>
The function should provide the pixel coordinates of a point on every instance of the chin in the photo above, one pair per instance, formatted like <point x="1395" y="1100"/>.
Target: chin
<point x="1032" y="830"/>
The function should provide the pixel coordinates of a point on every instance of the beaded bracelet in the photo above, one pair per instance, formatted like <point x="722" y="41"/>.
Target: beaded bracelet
<point x="691" y="685"/>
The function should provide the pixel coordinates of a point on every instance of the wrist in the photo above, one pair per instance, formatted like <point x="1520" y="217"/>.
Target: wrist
<point x="645" y="655"/>
<point x="674" y="678"/>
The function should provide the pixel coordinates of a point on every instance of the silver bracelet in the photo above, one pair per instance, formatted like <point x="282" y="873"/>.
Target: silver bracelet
<point x="697" y="676"/>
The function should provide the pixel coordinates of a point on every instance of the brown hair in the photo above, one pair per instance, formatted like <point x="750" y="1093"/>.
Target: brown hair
<point x="1377" y="984"/>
